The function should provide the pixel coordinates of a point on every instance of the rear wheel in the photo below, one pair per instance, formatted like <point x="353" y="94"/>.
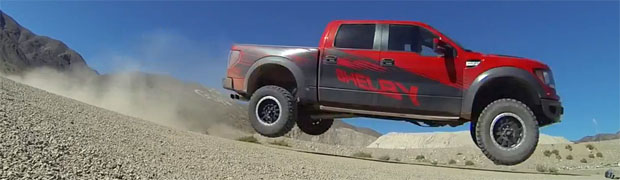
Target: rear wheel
<point x="507" y="132"/>
<point x="313" y="126"/>
<point x="472" y="132"/>
<point x="272" y="111"/>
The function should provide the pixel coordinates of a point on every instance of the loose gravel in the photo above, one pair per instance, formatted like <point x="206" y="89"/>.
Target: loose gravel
<point x="45" y="136"/>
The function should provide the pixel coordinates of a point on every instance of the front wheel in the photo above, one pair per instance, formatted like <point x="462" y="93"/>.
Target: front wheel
<point x="272" y="111"/>
<point x="507" y="132"/>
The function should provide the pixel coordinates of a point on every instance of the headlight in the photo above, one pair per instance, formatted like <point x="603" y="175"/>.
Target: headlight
<point x="546" y="77"/>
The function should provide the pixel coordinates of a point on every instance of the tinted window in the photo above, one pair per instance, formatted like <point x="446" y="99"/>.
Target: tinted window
<point x="358" y="36"/>
<point x="411" y="39"/>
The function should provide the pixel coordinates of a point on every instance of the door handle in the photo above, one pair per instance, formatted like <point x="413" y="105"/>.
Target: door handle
<point x="387" y="62"/>
<point x="331" y="59"/>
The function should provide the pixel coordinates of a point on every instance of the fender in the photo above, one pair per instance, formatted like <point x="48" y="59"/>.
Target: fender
<point x="277" y="60"/>
<point x="525" y="77"/>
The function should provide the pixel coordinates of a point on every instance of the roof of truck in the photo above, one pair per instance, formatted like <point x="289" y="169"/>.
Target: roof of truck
<point x="377" y="22"/>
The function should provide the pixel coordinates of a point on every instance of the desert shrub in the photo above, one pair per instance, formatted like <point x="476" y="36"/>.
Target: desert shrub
<point x="556" y="152"/>
<point x="584" y="160"/>
<point x="396" y="159"/>
<point x="250" y="139"/>
<point x="599" y="154"/>
<point x="385" y="158"/>
<point x="434" y="163"/>
<point x="280" y="143"/>
<point x="541" y="168"/>
<point x="591" y="155"/>
<point x="420" y="157"/>
<point x="452" y="161"/>
<point x="553" y="170"/>
<point x="362" y="155"/>
<point x="547" y="153"/>
<point x="558" y="157"/>
<point x="469" y="163"/>
<point x="568" y="147"/>
<point x="458" y="154"/>
<point x="590" y="147"/>
<point x="569" y="157"/>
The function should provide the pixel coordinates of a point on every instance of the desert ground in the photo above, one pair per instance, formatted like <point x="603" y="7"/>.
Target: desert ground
<point x="46" y="136"/>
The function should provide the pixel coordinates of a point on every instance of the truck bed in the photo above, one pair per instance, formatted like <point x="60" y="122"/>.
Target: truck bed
<point x="302" y="61"/>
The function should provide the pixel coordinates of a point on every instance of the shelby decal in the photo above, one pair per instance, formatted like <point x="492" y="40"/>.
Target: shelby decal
<point x="386" y="87"/>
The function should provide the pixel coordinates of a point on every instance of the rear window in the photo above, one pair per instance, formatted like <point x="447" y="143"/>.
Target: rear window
<point x="356" y="36"/>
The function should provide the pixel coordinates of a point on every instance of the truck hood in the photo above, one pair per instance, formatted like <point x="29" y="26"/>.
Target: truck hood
<point x="506" y="58"/>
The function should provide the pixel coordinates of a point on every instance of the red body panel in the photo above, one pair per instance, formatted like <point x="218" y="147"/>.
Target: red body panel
<point x="464" y="76"/>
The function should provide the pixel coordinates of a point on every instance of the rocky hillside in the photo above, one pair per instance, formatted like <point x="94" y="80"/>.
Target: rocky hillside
<point x="441" y="140"/>
<point x="599" y="137"/>
<point x="20" y="50"/>
<point x="50" y="65"/>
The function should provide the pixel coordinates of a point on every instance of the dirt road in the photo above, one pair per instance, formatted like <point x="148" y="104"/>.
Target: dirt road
<point x="48" y="136"/>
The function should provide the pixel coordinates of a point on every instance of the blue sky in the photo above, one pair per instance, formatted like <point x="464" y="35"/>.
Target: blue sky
<point x="579" y="40"/>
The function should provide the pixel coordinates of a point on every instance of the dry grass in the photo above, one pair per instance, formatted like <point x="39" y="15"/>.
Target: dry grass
<point x="250" y="139"/>
<point x="553" y="170"/>
<point x="547" y="153"/>
<point x="541" y="168"/>
<point x="280" y="143"/>
<point x="362" y="155"/>
<point x="385" y="158"/>
<point x="599" y="154"/>
<point x="568" y="147"/>
<point x="556" y="152"/>
<point x="469" y="163"/>
<point x="590" y="147"/>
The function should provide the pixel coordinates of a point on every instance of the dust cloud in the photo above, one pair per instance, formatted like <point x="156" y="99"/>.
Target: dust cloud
<point x="158" y="98"/>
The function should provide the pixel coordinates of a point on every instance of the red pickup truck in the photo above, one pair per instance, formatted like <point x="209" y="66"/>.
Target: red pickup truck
<point x="396" y="70"/>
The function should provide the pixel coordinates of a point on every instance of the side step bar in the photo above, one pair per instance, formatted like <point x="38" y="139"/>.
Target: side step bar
<point x="379" y="113"/>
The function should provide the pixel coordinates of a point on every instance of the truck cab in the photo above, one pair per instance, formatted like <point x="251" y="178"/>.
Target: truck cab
<point x="396" y="70"/>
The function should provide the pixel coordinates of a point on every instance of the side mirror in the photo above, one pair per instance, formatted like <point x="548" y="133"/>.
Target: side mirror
<point x="441" y="47"/>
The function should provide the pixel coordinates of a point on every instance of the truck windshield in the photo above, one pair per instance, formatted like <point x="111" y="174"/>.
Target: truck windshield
<point x="455" y="42"/>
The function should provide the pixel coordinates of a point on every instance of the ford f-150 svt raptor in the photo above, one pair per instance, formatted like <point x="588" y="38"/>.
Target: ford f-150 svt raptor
<point x="399" y="70"/>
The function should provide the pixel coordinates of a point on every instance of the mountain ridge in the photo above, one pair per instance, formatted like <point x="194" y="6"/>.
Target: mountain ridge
<point x="21" y="50"/>
<point x="599" y="137"/>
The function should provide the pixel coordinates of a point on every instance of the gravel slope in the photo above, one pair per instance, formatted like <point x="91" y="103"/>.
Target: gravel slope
<point x="47" y="136"/>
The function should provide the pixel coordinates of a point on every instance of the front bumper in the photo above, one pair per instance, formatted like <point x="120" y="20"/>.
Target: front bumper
<point x="552" y="109"/>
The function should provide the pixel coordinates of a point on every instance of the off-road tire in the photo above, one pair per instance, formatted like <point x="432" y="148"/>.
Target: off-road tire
<point x="472" y="132"/>
<point x="313" y="126"/>
<point x="529" y="139"/>
<point x="287" y="108"/>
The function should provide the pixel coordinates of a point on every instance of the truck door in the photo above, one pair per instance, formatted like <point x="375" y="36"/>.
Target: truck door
<point x="348" y="64"/>
<point x="426" y="82"/>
